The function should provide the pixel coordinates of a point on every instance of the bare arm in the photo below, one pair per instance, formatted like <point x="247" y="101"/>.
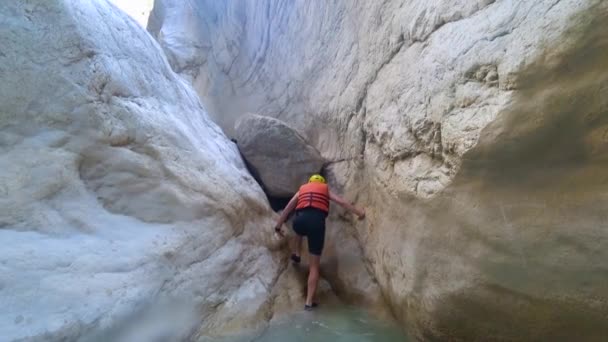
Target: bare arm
<point x="346" y="205"/>
<point x="290" y="206"/>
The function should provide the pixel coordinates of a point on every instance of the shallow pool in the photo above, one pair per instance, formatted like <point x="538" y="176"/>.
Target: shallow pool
<point x="329" y="324"/>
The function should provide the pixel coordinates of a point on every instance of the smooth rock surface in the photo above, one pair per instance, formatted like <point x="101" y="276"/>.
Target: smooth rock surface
<point x="125" y="213"/>
<point x="282" y="159"/>
<point x="473" y="131"/>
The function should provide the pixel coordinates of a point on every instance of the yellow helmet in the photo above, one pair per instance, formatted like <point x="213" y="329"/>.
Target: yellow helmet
<point x="316" y="179"/>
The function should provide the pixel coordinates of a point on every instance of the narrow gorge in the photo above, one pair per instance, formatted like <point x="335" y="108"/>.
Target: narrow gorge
<point x="142" y="162"/>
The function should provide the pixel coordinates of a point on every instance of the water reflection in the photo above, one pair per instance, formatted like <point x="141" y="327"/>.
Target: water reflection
<point x="328" y="324"/>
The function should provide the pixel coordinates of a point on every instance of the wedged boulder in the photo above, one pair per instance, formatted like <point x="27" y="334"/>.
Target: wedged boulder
<point x="117" y="193"/>
<point x="280" y="156"/>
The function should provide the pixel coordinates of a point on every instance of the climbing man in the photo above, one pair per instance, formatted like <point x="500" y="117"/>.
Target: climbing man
<point x="312" y="206"/>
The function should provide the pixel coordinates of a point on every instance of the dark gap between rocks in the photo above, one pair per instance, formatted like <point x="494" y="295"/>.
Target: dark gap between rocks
<point x="276" y="203"/>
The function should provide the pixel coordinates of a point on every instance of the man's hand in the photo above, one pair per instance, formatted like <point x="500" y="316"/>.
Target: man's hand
<point x="361" y="214"/>
<point x="278" y="230"/>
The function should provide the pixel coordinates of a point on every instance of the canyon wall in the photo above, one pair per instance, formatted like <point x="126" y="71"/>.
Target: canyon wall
<point x="125" y="213"/>
<point x="473" y="131"/>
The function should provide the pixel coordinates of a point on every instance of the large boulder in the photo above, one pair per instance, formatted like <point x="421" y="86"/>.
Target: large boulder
<point x="117" y="194"/>
<point x="279" y="155"/>
<point x="481" y="130"/>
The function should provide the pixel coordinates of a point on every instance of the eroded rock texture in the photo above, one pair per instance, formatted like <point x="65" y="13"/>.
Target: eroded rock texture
<point x="473" y="131"/>
<point x="121" y="203"/>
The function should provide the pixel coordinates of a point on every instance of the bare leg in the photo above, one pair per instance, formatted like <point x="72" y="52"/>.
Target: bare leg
<point x="313" y="277"/>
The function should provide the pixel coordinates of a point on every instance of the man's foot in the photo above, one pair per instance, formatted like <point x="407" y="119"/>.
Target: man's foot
<point x="295" y="258"/>
<point x="310" y="307"/>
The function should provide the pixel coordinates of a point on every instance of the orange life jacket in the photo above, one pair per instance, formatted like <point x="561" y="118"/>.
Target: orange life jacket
<point x="314" y="195"/>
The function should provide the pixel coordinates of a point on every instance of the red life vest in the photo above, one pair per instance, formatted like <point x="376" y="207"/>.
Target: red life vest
<point x="314" y="195"/>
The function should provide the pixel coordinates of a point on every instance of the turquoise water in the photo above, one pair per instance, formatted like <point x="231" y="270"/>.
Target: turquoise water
<point x="330" y="324"/>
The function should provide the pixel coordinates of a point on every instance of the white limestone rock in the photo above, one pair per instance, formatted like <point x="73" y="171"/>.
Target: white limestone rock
<point x="282" y="159"/>
<point x="428" y="109"/>
<point x="416" y="81"/>
<point x="118" y="194"/>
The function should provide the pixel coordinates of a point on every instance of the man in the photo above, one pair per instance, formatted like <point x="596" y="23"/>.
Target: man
<point x="312" y="206"/>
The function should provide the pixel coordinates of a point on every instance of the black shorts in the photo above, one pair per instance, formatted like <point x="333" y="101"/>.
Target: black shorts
<point x="310" y="222"/>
